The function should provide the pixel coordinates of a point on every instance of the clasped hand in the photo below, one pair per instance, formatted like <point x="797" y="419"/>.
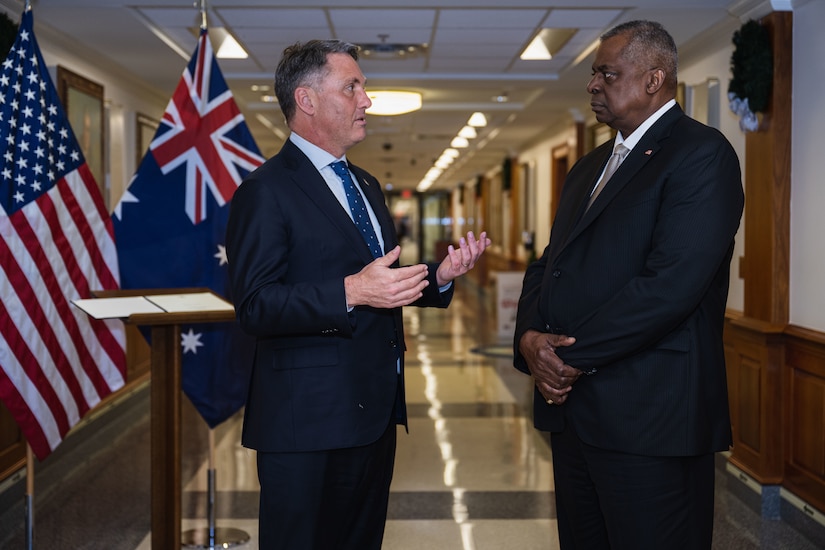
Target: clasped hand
<point x="553" y="377"/>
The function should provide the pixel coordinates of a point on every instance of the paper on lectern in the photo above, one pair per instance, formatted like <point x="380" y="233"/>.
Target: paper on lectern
<point x="192" y="301"/>
<point x="116" y="308"/>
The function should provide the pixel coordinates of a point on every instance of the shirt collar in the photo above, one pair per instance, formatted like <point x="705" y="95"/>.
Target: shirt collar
<point x="634" y="138"/>
<point x="317" y="156"/>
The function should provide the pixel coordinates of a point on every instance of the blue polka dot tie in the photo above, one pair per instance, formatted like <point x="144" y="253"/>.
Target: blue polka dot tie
<point x="358" y="208"/>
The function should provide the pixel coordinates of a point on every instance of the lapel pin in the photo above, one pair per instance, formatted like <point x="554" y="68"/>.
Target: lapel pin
<point x="649" y="152"/>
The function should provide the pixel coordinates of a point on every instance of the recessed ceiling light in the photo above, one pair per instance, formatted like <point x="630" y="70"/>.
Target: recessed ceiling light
<point x="393" y="102"/>
<point x="477" y="120"/>
<point x="459" y="142"/>
<point x="468" y="132"/>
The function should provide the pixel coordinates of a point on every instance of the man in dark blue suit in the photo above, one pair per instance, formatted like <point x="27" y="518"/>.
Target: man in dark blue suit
<point x="620" y="321"/>
<point x="323" y="296"/>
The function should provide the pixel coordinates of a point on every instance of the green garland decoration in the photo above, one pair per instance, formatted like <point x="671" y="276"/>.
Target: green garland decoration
<point x="752" y="66"/>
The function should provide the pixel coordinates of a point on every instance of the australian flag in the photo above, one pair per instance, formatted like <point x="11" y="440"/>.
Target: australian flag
<point x="171" y="220"/>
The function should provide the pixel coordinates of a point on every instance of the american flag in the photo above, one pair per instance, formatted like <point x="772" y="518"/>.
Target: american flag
<point x="56" y="245"/>
<point x="170" y="224"/>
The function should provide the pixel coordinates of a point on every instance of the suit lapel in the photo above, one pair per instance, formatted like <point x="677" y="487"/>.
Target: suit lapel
<point x="306" y="178"/>
<point x="576" y="193"/>
<point x="641" y="154"/>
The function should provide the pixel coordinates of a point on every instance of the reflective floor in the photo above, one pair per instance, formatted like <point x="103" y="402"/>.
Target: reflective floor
<point x="472" y="474"/>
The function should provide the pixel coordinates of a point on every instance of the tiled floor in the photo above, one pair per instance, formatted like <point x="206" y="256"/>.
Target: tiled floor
<point x="472" y="474"/>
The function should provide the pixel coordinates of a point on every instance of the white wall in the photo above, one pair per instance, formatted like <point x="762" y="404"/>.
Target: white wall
<point x="123" y="96"/>
<point x="713" y="61"/>
<point x="807" y="298"/>
<point x="539" y="158"/>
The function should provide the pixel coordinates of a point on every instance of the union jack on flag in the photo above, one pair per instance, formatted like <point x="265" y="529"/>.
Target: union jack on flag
<point x="170" y="224"/>
<point x="56" y="245"/>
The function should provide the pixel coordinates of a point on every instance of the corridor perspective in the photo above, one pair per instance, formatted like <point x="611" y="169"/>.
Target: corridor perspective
<point x="472" y="474"/>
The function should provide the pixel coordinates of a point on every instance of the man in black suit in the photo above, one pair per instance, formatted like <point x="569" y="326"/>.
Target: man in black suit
<point x="620" y="321"/>
<point x="324" y="297"/>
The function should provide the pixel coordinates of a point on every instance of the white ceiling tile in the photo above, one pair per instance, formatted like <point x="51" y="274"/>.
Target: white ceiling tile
<point x="571" y="19"/>
<point x="361" y="35"/>
<point x="377" y="18"/>
<point x="273" y="18"/>
<point x="492" y="19"/>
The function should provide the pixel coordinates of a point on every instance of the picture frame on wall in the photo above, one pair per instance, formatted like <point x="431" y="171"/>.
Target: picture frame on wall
<point x="83" y="101"/>
<point x="146" y="128"/>
<point x="597" y="134"/>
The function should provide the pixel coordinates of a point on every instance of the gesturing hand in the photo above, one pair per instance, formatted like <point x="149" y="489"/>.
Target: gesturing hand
<point x="379" y="285"/>
<point x="460" y="261"/>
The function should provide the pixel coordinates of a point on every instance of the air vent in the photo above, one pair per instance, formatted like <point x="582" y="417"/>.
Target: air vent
<point x="384" y="50"/>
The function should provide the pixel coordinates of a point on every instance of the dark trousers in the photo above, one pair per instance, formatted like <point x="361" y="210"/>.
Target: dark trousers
<point x="326" y="500"/>
<point x="616" y="501"/>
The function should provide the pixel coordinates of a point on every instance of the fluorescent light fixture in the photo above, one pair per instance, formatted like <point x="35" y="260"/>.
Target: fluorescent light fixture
<point x="393" y="102"/>
<point x="459" y="142"/>
<point x="536" y="51"/>
<point x="547" y="43"/>
<point x="477" y="120"/>
<point x="226" y="45"/>
<point x="468" y="132"/>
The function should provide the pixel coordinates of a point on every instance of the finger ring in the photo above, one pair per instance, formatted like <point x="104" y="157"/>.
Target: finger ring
<point x="550" y="402"/>
<point x="466" y="265"/>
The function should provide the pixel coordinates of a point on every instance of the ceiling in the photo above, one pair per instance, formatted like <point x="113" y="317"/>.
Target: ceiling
<point x="471" y="62"/>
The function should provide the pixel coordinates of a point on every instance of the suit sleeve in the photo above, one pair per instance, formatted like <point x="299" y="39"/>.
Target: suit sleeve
<point x="275" y="289"/>
<point x="527" y="315"/>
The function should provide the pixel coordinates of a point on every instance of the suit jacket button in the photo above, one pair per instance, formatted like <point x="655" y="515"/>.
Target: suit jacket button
<point x="557" y="273"/>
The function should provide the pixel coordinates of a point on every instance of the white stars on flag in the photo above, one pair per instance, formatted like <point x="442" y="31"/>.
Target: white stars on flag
<point x="191" y="341"/>
<point x="221" y="255"/>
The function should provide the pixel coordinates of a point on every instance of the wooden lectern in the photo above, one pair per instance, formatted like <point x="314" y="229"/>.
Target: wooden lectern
<point x="166" y="405"/>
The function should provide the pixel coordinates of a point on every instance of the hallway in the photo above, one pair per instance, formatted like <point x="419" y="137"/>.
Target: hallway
<point x="472" y="474"/>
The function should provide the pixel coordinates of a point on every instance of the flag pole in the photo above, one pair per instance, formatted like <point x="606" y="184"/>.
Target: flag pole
<point x="213" y="537"/>
<point x="228" y="536"/>
<point x="29" y="495"/>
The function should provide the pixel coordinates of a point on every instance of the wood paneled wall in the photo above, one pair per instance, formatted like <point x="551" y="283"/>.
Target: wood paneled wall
<point x="777" y="395"/>
<point x="776" y="371"/>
